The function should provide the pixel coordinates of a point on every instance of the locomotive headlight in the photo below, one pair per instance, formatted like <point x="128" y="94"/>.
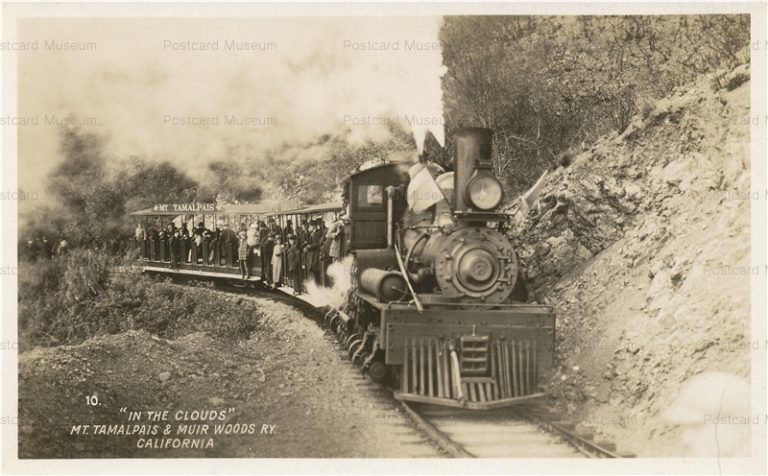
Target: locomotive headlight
<point x="485" y="192"/>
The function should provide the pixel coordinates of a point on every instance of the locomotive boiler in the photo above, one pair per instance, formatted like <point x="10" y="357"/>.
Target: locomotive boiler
<point x="437" y="306"/>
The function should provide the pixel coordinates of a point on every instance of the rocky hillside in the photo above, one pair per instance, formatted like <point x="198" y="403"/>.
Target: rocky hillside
<point x="642" y="243"/>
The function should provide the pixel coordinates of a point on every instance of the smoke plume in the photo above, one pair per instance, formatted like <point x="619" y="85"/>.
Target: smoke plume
<point x="192" y="91"/>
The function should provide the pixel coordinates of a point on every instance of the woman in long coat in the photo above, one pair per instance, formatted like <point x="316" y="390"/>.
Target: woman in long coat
<point x="277" y="261"/>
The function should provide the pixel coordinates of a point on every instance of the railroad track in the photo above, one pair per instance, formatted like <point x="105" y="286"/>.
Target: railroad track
<point x="522" y="432"/>
<point x="511" y="432"/>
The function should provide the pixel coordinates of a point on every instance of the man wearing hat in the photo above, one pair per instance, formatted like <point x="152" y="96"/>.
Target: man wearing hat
<point x="200" y="229"/>
<point x="273" y="227"/>
<point x="314" y="242"/>
<point x="174" y="248"/>
<point x="302" y="239"/>
<point x="336" y="233"/>
<point x="228" y="241"/>
<point x="294" y="264"/>
<point x="287" y="231"/>
<point x="267" y="245"/>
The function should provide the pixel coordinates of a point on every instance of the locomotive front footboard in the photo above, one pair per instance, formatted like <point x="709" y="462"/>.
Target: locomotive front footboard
<point x="477" y="358"/>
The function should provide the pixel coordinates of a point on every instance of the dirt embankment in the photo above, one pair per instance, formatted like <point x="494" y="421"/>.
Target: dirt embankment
<point x="643" y="244"/>
<point x="287" y="375"/>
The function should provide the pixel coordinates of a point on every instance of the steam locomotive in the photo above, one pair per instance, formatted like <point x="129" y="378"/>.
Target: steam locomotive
<point x="436" y="306"/>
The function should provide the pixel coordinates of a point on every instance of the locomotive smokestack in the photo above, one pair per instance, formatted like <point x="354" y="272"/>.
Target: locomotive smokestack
<point x="473" y="151"/>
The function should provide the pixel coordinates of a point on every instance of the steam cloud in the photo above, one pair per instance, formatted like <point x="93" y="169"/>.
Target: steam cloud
<point x="336" y="295"/>
<point x="153" y="87"/>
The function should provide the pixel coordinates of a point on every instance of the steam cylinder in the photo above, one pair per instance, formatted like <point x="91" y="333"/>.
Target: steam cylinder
<point x="385" y="285"/>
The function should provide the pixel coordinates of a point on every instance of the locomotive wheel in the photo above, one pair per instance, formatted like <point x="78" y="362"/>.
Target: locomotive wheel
<point x="377" y="371"/>
<point x="359" y="355"/>
<point x="349" y="340"/>
<point x="353" y="347"/>
<point x="329" y="316"/>
<point x="337" y="325"/>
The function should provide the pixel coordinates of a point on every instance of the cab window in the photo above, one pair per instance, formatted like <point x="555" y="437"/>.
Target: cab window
<point x="370" y="196"/>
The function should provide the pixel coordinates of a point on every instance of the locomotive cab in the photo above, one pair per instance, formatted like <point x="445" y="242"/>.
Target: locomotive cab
<point x="368" y="194"/>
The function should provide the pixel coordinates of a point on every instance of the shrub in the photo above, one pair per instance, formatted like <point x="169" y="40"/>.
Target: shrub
<point x="69" y="299"/>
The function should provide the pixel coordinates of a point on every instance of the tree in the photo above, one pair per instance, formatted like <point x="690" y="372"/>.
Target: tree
<point x="550" y="84"/>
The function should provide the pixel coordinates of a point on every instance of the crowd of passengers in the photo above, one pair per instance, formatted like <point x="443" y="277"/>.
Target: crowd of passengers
<point x="43" y="248"/>
<point x="284" y="255"/>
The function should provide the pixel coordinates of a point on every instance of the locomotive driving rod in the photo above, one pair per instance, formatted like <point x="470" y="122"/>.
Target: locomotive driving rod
<point x="408" y="281"/>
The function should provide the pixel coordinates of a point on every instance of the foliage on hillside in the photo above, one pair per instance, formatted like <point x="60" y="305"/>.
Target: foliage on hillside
<point x="550" y="84"/>
<point x="312" y="173"/>
<point x="70" y="298"/>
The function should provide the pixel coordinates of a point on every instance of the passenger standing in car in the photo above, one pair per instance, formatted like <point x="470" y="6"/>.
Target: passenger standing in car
<point x="267" y="246"/>
<point x="252" y="237"/>
<point x="198" y="244"/>
<point x="325" y="257"/>
<point x="294" y="264"/>
<point x="277" y="261"/>
<point x="200" y="229"/>
<point x="174" y="249"/>
<point x="301" y="234"/>
<point x="287" y="231"/>
<point x="228" y="244"/>
<point x="140" y="233"/>
<point x="242" y="255"/>
<point x="312" y="253"/>
<point x="30" y="250"/>
<point x="285" y="277"/>
<point x="334" y="234"/>
<point x="213" y="244"/>
<point x="302" y="238"/>
<point x="274" y="228"/>
<point x="46" y="247"/>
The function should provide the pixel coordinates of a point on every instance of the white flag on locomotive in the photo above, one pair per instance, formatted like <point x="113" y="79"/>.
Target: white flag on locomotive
<point x="423" y="191"/>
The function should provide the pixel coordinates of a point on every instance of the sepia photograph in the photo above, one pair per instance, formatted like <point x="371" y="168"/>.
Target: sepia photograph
<point x="384" y="237"/>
